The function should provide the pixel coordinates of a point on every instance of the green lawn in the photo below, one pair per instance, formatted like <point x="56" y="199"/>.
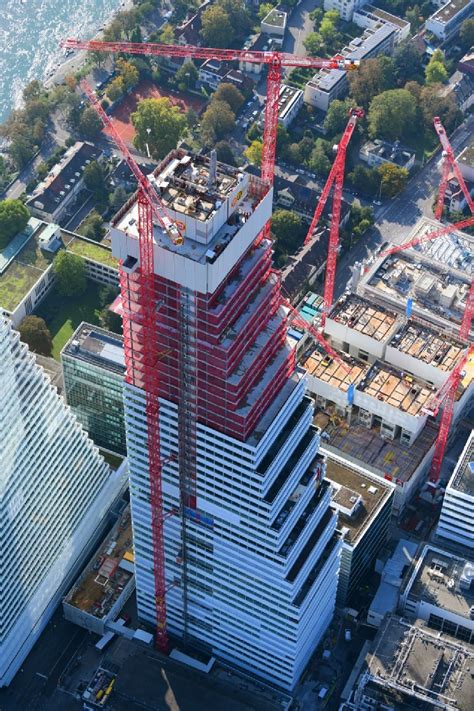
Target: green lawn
<point x="63" y="314"/>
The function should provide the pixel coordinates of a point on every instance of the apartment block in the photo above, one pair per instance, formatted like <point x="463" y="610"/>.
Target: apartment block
<point x="93" y="364"/>
<point x="456" y="522"/>
<point x="252" y="557"/>
<point x="447" y="19"/>
<point x="345" y="8"/>
<point x="56" y="491"/>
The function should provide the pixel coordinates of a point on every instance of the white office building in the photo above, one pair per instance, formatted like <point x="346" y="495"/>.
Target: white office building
<point x="456" y="522"/>
<point x="252" y="558"/>
<point x="55" y="492"/>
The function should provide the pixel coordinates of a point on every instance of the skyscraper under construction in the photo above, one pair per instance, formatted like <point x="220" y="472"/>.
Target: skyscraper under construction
<point x="250" y="554"/>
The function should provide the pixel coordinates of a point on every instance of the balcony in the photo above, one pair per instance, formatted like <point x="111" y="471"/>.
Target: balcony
<point x="283" y="436"/>
<point x="312" y="577"/>
<point x="313" y="539"/>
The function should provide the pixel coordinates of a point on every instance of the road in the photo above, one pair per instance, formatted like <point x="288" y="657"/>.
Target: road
<point x="395" y="220"/>
<point x="299" y="26"/>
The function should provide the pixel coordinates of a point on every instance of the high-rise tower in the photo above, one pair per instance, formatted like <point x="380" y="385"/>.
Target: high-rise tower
<point x="55" y="491"/>
<point x="251" y="552"/>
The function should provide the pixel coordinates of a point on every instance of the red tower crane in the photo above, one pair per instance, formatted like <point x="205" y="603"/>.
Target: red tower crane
<point x="445" y="396"/>
<point x="449" y="163"/>
<point x="276" y="61"/>
<point x="468" y="315"/>
<point x="336" y="179"/>
<point x="142" y="353"/>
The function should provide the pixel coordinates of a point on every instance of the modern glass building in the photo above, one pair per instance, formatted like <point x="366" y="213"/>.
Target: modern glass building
<point x="251" y="551"/>
<point x="55" y="493"/>
<point x="93" y="369"/>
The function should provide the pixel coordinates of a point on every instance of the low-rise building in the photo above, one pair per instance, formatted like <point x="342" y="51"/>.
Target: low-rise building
<point x="385" y="600"/>
<point x="212" y="72"/>
<point x="447" y="19"/>
<point x="456" y="522"/>
<point x="440" y="591"/>
<point x="454" y="198"/>
<point x="379" y="152"/>
<point x="274" y="23"/>
<point x="411" y="667"/>
<point x="364" y="506"/>
<point x="289" y="104"/>
<point x="345" y="8"/>
<point x="93" y="368"/>
<point x="372" y="17"/>
<point x="54" y="195"/>
<point x="465" y="162"/>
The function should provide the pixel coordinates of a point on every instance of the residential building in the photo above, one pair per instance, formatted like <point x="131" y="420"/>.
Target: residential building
<point x="56" y="491"/>
<point x="440" y="592"/>
<point x="368" y="16"/>
<point x="330" y="84"/>
<point x="274" y="23"/>
<point x="410" y="666"/>
<point x="93" y="368"/>
<point x="107" y="581"/>
<point x="379" y="152"/>
<point x="385" y="600"/>
<point x="461" y="87"/>
<point x="289" y="104"/>
<point x="465" y="162"/>
<point x="345" y="8"/>
<point x="454" y="198"/>
<point x="364" y="506"/>
<point x="26" y="265"/>
<point x="253" y="574"/>
<point x="258" y="43"/>
<point x="189" y="31"/>
<point x="456" y="522"/>
<point x="212" y="72"/>
<point x="54" y="196"/>
<point x="447" y="19"/>
<point x="376" y="410"/>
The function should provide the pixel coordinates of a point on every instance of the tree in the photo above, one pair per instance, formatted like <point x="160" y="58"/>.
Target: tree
<point x="313" y="44"/>
<point x="466" y="34"/>
<point x="391" y="114"/>
<point x="365" y="180"/>
<point x="70" y="272"/>
<point x="187" y="75"/>
<point x="129" y="74"/>
<point x="264" y="9"/>
<point x="115" y="89"/>
<point x="238" y="16"/>
<point x="436" y="73"/>
<point x="373" y="77"/>
<point x="319" y="162"/>
<point x="217" y="122"/>
<point x="407" y="61"/>
<point x="288" y="229"/>
<point x="90" y="124"/>
<point x="111" y="320"/>
<point x="414" y="17"/>
<point x="92" y="227"/>
<point x="230" y="94"/>
<point x="94" y="177"/>
<point x="392" y="179"/>
<point x="433" y="104"/>
<point x="118" y="197"/>
<point x="167" y="34"/>
<point x="33" y="90"/>
<point x="216" y="29"/>
<point x="14" y="217"/>
<point x="337" y="116"/>
<point x="159" y="125"/>
<point x="35" y="333"/>
<point x="253" y="153"/>
<point x="224" y="153"/>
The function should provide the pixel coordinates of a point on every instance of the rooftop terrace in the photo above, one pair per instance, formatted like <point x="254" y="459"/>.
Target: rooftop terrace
<point x="370" y="495"/>
<point x="418" y="668"/>
<point x="443" y="580"/>
<point x="98" y="347"/>
<point x="364" y="316"/>
<point x="365" y="447"/>
<point x="108" y="573"/>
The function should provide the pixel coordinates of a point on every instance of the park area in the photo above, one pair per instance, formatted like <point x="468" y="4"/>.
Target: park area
<point x="63" y="314"/>
<point x="148" y="90"/>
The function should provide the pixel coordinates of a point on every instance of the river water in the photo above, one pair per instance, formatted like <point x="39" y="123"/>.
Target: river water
<point x="30" y="33"/>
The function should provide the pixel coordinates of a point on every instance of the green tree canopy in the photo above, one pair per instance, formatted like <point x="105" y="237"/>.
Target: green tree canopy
<point x="217" y="122"/>
<point x="90" y="124"/>
<point x="466" y="34"/>
<point x="35" y="333"/>
<point x="436" y="73"/>
<point x="94" y="176"/>
<point x="159" y="125"/>
<point x="253" y="153"/>
<point x="288" y="229"/>
<point x="313" y="44"/>
<point x="264" y="9"/>
<point x="216" y="28"/>
<point x="92" y="227"/>
<point x="118" y="197"/>
<point x="433" y="104"/>
<point x="407" y="62"/>
<point x="373" y="77"/>
<point x="14" y="217"/>
<point x="392" y="179"/>
<point x="365" y="180"/>
<point x="337" y="116"/>
<point x="319" y="161"/>
<point x="224" y="153"/>
<point x="70" y="272"/>
<point x="230" y="94"/>
<point x="187" y="75"/>
<point x="391" y="114"/>
<point x="115" y="89"/>
<point x="129" y="73"/>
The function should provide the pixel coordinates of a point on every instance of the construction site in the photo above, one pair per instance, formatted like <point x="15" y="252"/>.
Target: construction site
<point x="232" y="425"/>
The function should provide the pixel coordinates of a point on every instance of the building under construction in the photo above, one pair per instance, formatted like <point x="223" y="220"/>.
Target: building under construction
<point x="251" y="548"/>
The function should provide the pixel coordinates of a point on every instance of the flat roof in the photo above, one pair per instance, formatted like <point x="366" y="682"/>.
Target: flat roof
<point x="448" y="11"/>
<point x="401" y="390"/>
<point x="96" y="251"/>
<point x="364" y="316"/>
<point x="439" y="579"/>
<point x="366" y="448"/>
<point x="373" y="494"/>
<point x="427" y="345"/>
<point x="383" y="15"/>
<point x="275" y="17"/>
<point x="288" y="96"/>
<point x="454" y="249"/>
<point x="320" y="365"/>
<point x="466" y="157"/>
<point x="419" y="668"/>
<point x="97" y="346"/>
<point x="462" y="479"/>
<point x="109" y="571"/>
